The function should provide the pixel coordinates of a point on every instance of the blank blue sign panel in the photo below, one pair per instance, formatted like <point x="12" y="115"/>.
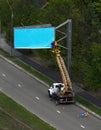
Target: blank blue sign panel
<point x="33" y="38"/>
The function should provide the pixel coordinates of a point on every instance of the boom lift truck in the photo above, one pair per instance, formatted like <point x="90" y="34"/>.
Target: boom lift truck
<point x="61" y="92"/>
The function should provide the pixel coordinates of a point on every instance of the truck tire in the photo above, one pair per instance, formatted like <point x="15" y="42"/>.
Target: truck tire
<point x="49" y="94"/>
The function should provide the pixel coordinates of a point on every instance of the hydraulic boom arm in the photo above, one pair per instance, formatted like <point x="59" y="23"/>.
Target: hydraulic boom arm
<point x="64" y="73"/>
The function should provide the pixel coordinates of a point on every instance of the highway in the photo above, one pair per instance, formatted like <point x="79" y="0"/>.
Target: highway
<point x="32" y="94"/>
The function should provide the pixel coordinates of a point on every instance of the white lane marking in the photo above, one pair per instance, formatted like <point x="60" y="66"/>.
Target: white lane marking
<point x="19" y="85"/>
<point x="82" y="126"/>
<point x="58" y="111"/>
<point x="37" y="98"/>
<point x="4" y="75"/>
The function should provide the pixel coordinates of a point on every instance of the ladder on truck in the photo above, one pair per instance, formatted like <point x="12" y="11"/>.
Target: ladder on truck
<point x="65" y="76"/>
<point x="64" y="73"/>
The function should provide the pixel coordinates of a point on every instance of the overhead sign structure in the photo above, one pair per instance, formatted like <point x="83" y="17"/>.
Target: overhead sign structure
<point x="33" y="38"/>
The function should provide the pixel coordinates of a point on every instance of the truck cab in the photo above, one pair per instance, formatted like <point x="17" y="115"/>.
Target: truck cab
<point x="55" y="88"/>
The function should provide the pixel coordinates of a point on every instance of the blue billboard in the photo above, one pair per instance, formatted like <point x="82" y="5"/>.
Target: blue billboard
<point x="33" y="38"/>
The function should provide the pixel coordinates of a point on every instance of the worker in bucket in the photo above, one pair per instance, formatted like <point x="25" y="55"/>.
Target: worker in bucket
<point x="54" y="44"/>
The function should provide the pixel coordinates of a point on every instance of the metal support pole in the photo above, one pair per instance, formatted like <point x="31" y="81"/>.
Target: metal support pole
<point x="0" y="26"/>
<point x="11" y="33"/>
<point x="11" y="42"/>
<point x="69" y="37"/>
<point x="61" y="25"/>
<point x="0" y="30"/>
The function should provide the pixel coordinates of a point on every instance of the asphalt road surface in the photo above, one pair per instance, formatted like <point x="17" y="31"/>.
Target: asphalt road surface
<point x="32" y="94"/>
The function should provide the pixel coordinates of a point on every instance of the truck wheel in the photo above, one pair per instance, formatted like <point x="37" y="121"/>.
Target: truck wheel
<point x="49" y="94"/>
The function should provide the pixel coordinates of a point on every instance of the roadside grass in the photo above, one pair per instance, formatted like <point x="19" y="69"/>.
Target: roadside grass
<point x="7" y="122"/>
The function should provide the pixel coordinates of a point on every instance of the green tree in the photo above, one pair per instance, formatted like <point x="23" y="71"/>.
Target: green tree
<point x="97" y="7"/>
<point x="93" y="76"/>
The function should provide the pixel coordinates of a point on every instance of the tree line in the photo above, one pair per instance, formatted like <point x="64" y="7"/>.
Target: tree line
<point x="86" y="30"/>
